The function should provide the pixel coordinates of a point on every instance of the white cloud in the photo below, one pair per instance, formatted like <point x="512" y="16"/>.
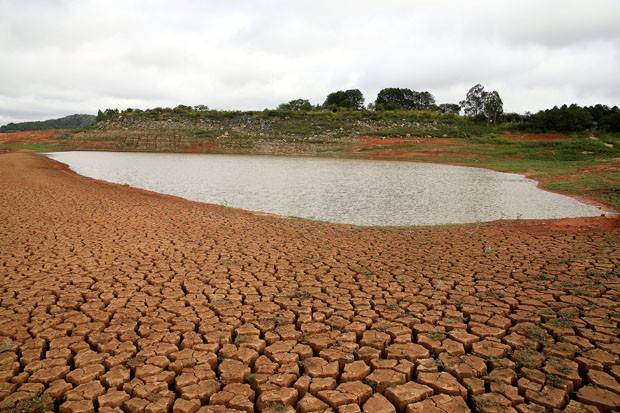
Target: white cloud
<point x="60" y="57"/>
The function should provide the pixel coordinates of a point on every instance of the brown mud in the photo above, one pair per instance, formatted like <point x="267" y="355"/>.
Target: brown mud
<point x="114" y="299"/>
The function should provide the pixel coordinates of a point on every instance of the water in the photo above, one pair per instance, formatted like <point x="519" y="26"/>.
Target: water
<point x="359" y="192"/>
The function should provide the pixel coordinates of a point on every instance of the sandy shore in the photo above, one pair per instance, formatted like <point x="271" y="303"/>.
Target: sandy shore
<point x="116" y="299"/>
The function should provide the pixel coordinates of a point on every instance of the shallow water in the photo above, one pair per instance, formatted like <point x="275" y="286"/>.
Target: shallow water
<point x="359" y="192"/>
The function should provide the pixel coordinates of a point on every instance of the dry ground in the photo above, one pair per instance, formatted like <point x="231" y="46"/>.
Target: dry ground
<point x="115" y="299"/>
<point x="31" y="137"/>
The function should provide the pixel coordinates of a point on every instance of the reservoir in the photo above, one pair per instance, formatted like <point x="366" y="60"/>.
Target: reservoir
<point x="359" y="192"/>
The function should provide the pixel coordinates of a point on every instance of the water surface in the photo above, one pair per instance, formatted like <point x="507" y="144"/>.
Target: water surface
<point x="360" y="192"/>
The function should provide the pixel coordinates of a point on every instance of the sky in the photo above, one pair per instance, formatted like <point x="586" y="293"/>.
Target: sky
<point x="60" y="57"/>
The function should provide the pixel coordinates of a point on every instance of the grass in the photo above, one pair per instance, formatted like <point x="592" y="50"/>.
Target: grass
<point x="602" y="185"/>
<point x="371" y="383"/>
<point x="526" y="358"/>
<point x="536" y="333"/>
<point x="561" y="322"/>
<point x="278" y="407"/>
<point x="135" y="362"/>
<point x="38" y="147"/>
<point x="39" y="403"/>
<point x="250" y="379"/>
<point x="554" y="381"/>
<point x="241" y="340"/>
<point x="543" y="277"/>
<point x="436" y="335"/>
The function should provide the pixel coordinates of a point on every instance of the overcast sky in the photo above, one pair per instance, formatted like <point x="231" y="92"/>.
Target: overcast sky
<point x="59" y="57"/>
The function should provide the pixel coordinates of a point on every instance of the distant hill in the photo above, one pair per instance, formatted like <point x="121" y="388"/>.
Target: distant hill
<point x="68" y="122"/>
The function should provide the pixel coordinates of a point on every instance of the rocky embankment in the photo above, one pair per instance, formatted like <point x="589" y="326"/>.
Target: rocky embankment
<point x="242" y="133"/>
<point x="114" y="299"/>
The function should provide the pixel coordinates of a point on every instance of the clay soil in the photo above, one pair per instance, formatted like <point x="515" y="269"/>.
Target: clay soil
<point x="31" y="137"/>
<point x="114" y="299"/>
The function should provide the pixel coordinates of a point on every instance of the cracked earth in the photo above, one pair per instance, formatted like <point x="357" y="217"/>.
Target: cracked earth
<point x="114" y="299"/>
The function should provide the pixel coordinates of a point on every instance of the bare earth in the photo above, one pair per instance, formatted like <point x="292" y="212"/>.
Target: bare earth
<point x="115" y="299"/>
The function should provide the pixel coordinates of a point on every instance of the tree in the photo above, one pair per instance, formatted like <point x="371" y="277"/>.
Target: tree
<point x="611" y="120"/>
<point x="571" y="118"/>
<point x="473" y="105"/>
<point x="350" y="99"/>
<point x="450" y="108"/>
<point x="394" y="98"/>
<point x="423" y="100"/>
<point x="182" y="109"/>
<point x="482" y="105"/>
<point x="513" y="117"/>
<point x="296" y="105"/>
<point x="402" y="98"/>
<point x="493" y="106"/>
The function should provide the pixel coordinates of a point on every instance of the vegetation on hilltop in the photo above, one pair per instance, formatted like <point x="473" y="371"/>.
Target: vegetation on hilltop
<point x="483" y="114"/>
<point x="68" y="122"/>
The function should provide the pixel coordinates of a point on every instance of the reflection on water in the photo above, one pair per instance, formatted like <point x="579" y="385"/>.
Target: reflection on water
<point x="358" y="192"/>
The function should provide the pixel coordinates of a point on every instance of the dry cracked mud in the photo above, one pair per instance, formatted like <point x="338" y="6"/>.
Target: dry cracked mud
<point x="118" y="300"/>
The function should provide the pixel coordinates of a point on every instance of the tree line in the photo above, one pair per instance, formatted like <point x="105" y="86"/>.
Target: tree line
<point x="574" y="118"/>
<point x="387" y="99"/>
<point x="478" y="105"/>
<point x="68" y="122"/>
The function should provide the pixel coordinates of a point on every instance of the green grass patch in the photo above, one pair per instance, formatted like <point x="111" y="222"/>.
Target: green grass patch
<point x="38" y="147"/>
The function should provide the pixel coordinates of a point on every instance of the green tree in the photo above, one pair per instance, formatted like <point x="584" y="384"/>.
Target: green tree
<point x="450" y="108"/>
<point x="423" y="100"/>
<point x="473" y="105"/>
<point x="182" y="109"/>
<point x="482" y="105"/>
<point x="493" y="106"/>
<point x="571" y="118"/>
<point x="392" y="98"/>
<point x="350" y="99"/>
<point x="402" y="98"/>
<point x="296" y="105"/>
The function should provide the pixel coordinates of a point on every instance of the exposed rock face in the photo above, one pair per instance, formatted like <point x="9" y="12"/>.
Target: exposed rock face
<point x="239" y="133"/>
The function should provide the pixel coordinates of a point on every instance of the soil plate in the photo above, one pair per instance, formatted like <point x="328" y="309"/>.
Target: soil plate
<point x="114" y="299"/>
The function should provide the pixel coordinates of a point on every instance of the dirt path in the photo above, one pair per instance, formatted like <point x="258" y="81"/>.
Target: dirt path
<point x="115" y="299"/>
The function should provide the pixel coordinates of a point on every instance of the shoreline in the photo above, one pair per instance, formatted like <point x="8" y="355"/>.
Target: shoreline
<point x="119" y="297"/>
<point x="605" y="210"/>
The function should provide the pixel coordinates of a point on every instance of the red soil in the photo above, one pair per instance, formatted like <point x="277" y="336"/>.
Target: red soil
<point x="30" y="137"/>
<point x="124" y="300"/>
<point x="605" y="167"/>
<point x="204" y="148"/>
